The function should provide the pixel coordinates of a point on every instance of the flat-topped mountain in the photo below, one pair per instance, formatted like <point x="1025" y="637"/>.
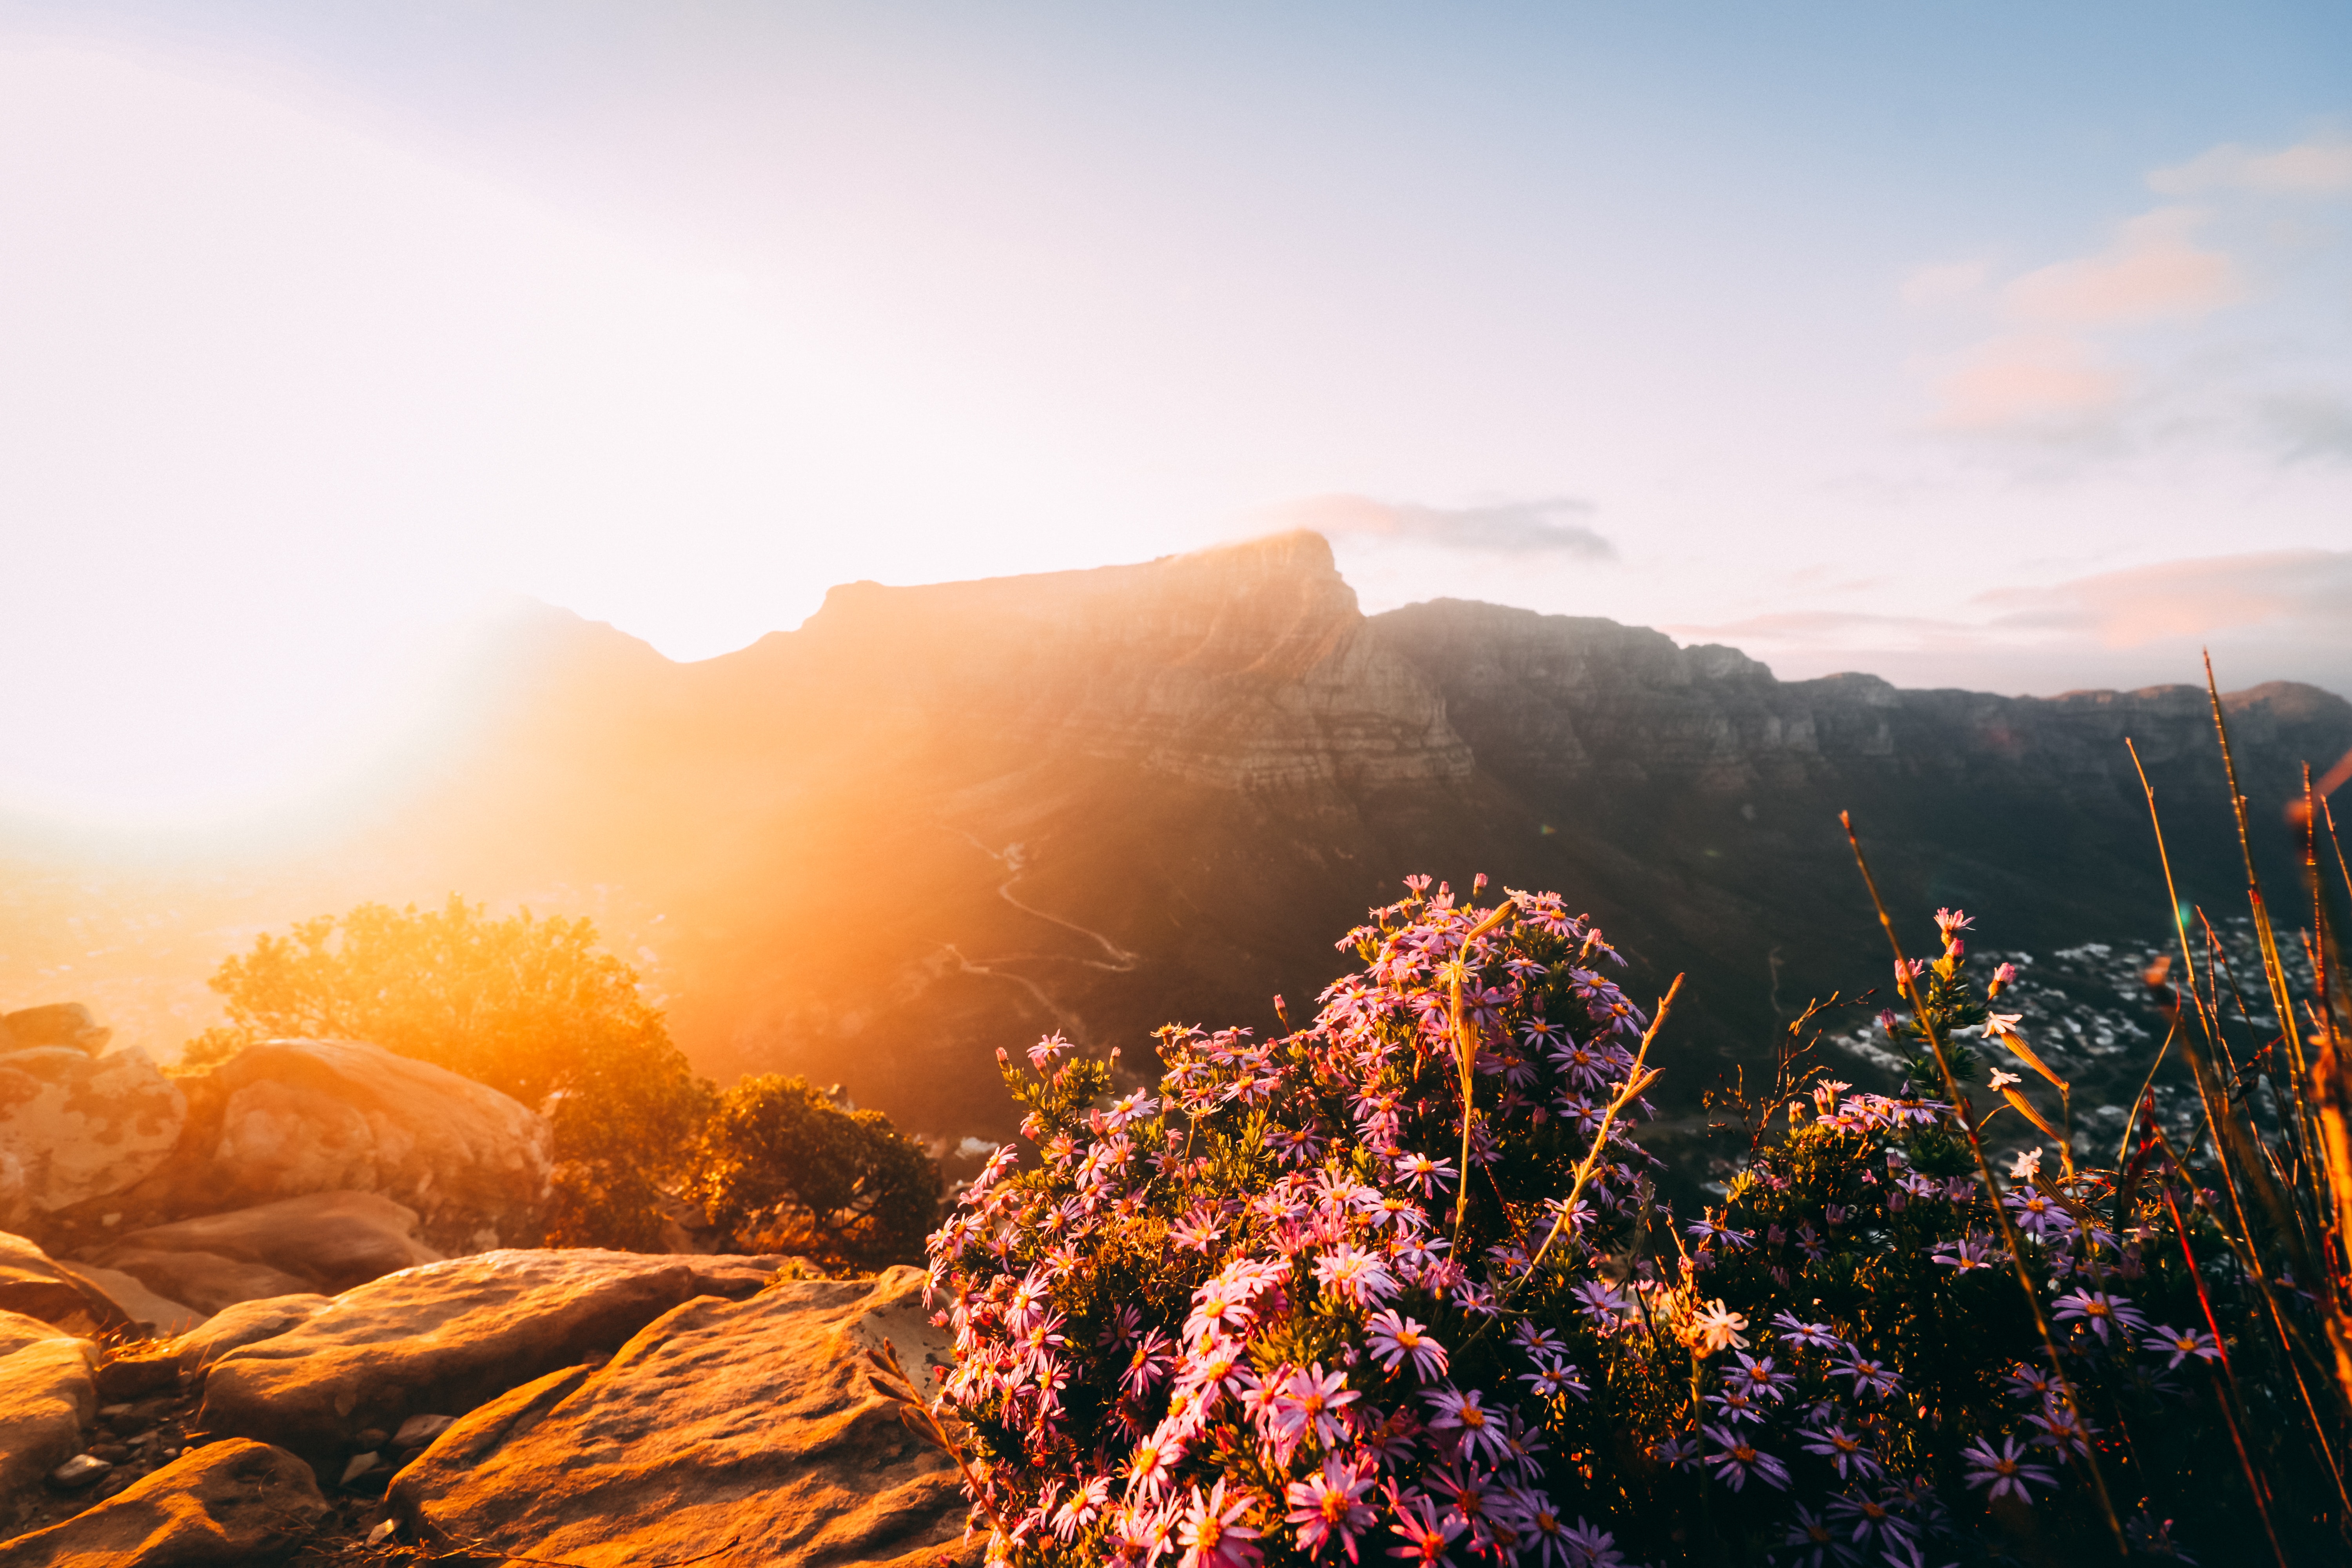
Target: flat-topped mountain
<point x="933" y="821"/>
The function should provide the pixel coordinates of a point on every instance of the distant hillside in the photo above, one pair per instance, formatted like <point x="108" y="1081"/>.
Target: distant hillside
<point x="937" y="820"/>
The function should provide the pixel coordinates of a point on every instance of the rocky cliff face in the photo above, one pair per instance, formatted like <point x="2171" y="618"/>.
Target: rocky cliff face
<point x="934" y="821"/>
<point x="1248" y="667"/>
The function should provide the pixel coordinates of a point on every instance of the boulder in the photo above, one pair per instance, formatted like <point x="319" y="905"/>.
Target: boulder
<point x="32" y="1283"/>
<point x="146" y="1310"/>
<point x="221" y="1506"/>
<point x="327" y="1242"/>
<point x="146" y="1369"/>
<point x="78" y="1127"/>
<point x="444" y="1338"/>
<point x="18" y="1330"/>
<point x="746" y="1425"/>
<point x="298" y="1117"/>
<point x="58" y="1024"/>
<point x="47" y="1399"/>
<point x="247" y="1322"/>
<point x="205" y="1280"/>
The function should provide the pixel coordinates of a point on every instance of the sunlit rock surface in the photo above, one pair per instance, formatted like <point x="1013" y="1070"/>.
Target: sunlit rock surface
<point x="444" y="1338"/>
<point x="749" y="1424"/>
<point x="46" y="1397"/>
<point x="225" y="1505"/>
<point x="74" y="1127"/>
<point x="297" y="1119"/>
<point x="32" y="1285"/>
<point x="325" y="1242"/>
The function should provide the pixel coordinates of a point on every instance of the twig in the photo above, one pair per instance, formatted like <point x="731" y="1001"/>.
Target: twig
<point x="1636" y="1081"/>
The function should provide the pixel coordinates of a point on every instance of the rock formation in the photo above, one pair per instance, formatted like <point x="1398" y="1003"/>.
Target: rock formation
<point x="289" y="1119"/>
<point x="75" y="1126"/>
<point x="442" y="1338"/>
<point x="693" y="1437"/>
<point x="220" y="1506"/>
<point x="595" y="1407"/>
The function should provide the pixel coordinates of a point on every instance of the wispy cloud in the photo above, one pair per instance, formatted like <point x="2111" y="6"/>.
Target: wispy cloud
<point x="1551" y="526"/>
<point x="2322" y="166"/>
<point x="2267" y="616"/>
<point x="2308" y="592"/>
<point x="2020" y="380"/>
<point x="2089" y="349"/>
<point x="2153" y="272"/>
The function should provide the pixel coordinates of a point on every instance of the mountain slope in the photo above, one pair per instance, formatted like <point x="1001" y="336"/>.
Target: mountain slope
<point x="935" y="821"/>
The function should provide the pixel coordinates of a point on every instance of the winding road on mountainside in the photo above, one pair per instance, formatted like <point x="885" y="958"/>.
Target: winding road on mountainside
<point x="1119" y="961"/>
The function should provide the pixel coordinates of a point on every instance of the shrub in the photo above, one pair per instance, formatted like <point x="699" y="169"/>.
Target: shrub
<point x="532" y="1007"/>
<point x="782" y="1168"/>
<point x="1262" y="1315"/>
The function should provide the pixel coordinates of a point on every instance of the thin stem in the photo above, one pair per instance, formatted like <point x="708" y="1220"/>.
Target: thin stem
<point x="2227" y="1397"/>
<point x="1636" y="1081"/>
<point x="1984" y="1168"/>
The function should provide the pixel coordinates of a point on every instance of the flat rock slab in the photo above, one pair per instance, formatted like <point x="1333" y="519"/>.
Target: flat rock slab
<point x="326" y="1241"/>
<point x="247" y="1324"/>
<point x="221" y="1506"/>
<point x="156" y="1314"/>
<point x="18" y="1330"/>
<point x="447" y="1337"/>
<point x="46" y="1398"/>
<point x="32" y="1284"/>
<point x="748" y="1425"/>
<point x="205" y="1280"/>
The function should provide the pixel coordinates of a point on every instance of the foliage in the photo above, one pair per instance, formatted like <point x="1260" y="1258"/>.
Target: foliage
<point x="782" y="1168"/>
<point x="530" y="1006"/>
<point x="1255" y="1317"/>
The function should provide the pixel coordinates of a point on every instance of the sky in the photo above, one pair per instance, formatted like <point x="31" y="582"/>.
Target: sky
<point x="1998" y="346"/>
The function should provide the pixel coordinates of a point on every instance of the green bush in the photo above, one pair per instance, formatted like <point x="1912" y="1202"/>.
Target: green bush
<point x="531" y="1007"/>
<point x="783" y="1168"/>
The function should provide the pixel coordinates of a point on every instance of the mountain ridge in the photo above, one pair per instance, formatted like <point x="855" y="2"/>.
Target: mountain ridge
<point x="936" y="820"/>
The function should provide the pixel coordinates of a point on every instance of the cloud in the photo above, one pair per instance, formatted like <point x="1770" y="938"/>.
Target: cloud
<point x="2048" y="370"/>
<point x="2310" y="424"/>
<point x="2152" y="273"/>
<point x="2279" y="615"/>
<point x="1945" y="282"/>
<point x="2020" y="379"/>
<point x="1544" y="527"/>
<point x="2321" y="167"/>
<point x="2309" y="591"/>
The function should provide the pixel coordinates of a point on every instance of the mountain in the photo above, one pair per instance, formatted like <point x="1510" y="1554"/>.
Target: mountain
<point x="933" y="821"/>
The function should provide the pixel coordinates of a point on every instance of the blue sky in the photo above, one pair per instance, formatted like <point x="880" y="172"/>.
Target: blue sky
<point x="2007" y="347"/>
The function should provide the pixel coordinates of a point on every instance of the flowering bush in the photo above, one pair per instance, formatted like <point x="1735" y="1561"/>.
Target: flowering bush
<point x="1398" y="1283"/>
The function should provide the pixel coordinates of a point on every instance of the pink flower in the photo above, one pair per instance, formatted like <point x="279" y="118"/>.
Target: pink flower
<point x="1149" y="1364"/>
<point x="1425" y="1534"/>
<point x="1482" y="1433"/>
<point x="1739" y="1459"/>
<point x="1043" y="1054"/>
<point x="1425" y="1175"/>
<point x="1150" y="1467"/>
<point x="2182" y="1344"/>
<point x="1354" y="1276"/>
<point x="1212" y="1531"/>
<point x="2099" y="1311"/>
<point x="2005" y="1469"/>
<point x="1315" y="1403"/>
<point x="1082" y="1508"/>
<point x="1396" y="1338"/>
<point x="1328" y="1505"/>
